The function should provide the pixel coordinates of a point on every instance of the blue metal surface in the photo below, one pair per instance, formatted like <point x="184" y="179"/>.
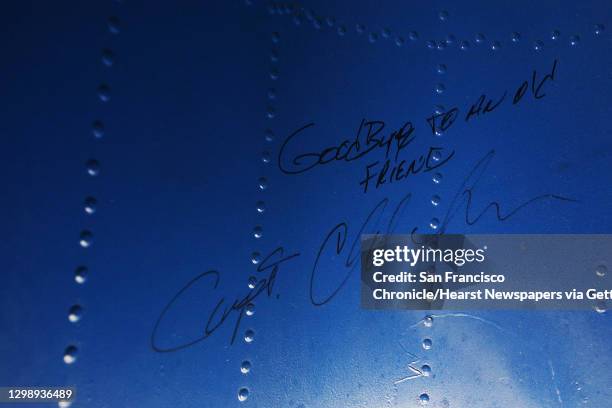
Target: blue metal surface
<point x="196" y="101"/>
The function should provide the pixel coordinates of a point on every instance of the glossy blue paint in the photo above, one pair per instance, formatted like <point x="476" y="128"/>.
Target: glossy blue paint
<point x="191" y="90"/>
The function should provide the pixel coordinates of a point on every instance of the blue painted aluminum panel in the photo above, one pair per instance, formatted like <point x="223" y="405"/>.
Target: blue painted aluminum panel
<point x="184" y="197"/>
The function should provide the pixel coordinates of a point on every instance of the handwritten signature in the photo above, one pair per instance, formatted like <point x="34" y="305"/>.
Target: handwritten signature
<point x="341" y="243"/>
